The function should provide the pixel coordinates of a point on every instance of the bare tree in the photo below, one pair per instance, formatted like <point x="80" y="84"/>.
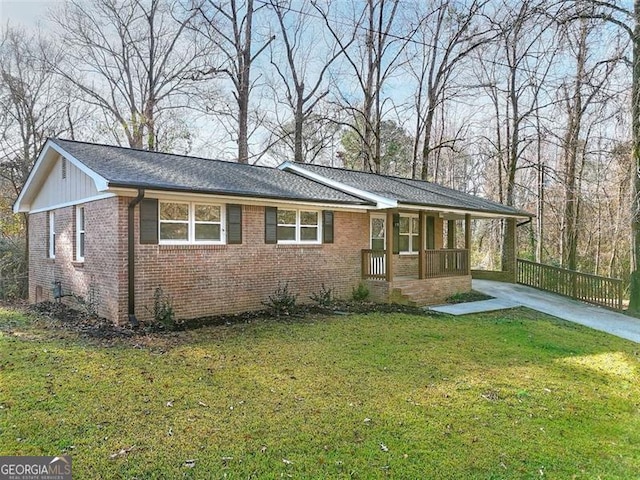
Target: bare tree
<point x="319" y="134"/>
<point x="515" y="79"/>
<point x="32" y="103"/>
<point x="134" y="60"/>
<point x="627" y="19"/>
<point x="373" y="58"/>
<point x="33" y="107"/>
<point x="303" y="70"/>
<point x="446" y="35"/>
<point x="229" y="25"/>
<point x="578" y="95"/>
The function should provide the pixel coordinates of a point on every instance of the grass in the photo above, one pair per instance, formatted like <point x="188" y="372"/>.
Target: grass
<point x="513" y="394"/>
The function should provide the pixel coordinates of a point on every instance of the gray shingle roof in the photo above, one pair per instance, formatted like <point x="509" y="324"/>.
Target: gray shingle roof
<point x="414" y="192"/>
<point x="125" y="167"/>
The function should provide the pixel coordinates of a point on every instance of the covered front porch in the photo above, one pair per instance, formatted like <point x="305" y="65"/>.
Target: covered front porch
<point x="428" y="258"/>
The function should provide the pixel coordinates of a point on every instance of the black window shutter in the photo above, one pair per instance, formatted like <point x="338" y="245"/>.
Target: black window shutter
<point x="396" y="233"/>
<point x="431" y="233"/>
<point x="234" y="224"/>
<point x="270" y="225"/>
<point x="149" y="221"/>
<point x="327" y="226"/>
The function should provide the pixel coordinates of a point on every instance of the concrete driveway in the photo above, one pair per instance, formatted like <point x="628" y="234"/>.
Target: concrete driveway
<point x="562" y="307"/>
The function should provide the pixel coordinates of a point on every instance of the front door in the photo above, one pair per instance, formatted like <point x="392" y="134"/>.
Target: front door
<point x="378" y="232"/>
<point x="378" y="243"/>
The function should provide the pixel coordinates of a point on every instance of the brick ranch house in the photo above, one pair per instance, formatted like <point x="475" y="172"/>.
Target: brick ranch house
<point x="219" y="237"/>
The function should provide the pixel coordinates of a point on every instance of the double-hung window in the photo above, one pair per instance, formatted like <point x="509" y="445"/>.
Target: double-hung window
<point x="409" y="240"/>
<point x="52" y="235"/>
<point x="80" y="234"/>
<point x="298" y="226"/>
<point x="190" y="222"/>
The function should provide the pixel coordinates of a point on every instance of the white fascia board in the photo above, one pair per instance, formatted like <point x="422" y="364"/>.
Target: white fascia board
<point x="453" y="211"/>
<point x="79" y="201"/>
<point x="20" y="206"/>
<point x="217" y="198"/>
<point x="380" y="201"/>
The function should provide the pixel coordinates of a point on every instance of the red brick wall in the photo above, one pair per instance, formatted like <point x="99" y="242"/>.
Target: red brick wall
<point x="406" y="265"/>
<point x="104" y="268"/>
<point x="200" y="280"/>
<point x="210" y="280"/>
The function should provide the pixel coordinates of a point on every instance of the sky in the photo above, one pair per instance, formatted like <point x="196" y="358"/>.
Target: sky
<point x="24" y="12"/>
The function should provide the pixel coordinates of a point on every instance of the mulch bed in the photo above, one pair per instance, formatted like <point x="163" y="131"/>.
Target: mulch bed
<point x="62" y="316"/>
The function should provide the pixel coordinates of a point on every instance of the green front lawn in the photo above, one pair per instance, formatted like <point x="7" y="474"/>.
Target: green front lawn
<point x="513" y="394"/>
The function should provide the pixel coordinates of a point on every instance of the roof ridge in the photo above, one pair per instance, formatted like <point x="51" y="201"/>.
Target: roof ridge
<point x="433" y="188"/>
<point x="386" y="175"/>
<point x="447" y="189"/>
<point x="154" y="152"/>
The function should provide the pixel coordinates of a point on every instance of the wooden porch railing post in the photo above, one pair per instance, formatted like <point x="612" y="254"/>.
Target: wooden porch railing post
<point x="422" y="226"/>
<point x="451" y="234"/>
<point x="620" y="295"/>
<point x="388" y="264"/>
<point x="467" y="241"/>
<point x="364" y="265"/>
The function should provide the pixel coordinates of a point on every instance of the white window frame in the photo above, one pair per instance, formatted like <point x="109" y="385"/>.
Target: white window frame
<point x="191" y="224"/>
<point x="52" y="234"/>
<point x="80" y="232"/>
<point x="298" y="227"/>
<point x="411" y="234"/>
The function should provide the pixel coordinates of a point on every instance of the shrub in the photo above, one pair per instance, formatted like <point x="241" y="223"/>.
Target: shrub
<point x="324" y="297"/>
<point x="13" y="269"/>
<point x="360" y="293"/>
<point x="163" y="314"/>
<point x="91" y="303"/>
<point x="282" y="302"/>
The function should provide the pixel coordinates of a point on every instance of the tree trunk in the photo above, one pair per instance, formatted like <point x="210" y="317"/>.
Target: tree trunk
<point x="634" y="295"/>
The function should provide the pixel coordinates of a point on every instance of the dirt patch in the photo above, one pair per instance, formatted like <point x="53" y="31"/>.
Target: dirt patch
<point x="64" y="317"/>
<point x="472" y="296"/>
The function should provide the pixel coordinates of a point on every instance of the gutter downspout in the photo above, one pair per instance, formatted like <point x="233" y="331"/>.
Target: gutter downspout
<point x="131" y="257"/>
<point x="526" y="222"/>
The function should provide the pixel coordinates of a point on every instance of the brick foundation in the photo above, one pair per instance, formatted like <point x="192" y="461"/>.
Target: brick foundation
<point x="429" y="291"/>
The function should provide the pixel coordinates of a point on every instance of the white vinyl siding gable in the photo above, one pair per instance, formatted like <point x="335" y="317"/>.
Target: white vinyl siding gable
<point x="59" y="189"/>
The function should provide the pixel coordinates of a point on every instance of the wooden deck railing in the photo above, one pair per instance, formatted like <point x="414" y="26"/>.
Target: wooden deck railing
<point x="439" y="263"/>
<point x="603" y="291"/>
<point x="373" y="264"/>
<point x="447" y="263"/>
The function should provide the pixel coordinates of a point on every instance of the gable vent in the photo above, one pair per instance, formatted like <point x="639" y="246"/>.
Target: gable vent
<point x="64" y="168"/>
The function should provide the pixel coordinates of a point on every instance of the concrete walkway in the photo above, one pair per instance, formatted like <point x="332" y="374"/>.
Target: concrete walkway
<point x="511" y="295"/>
